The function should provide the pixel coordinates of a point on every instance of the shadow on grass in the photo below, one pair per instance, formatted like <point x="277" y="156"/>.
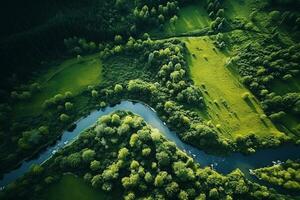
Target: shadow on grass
<point x="264" y="122"/>
<point x="250" y="104"/>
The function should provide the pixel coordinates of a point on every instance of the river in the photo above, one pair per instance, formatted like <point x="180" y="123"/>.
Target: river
<point x="222" y="164"/>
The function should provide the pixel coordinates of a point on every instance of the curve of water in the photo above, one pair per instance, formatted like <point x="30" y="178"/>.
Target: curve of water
<point x="219" y="163"/>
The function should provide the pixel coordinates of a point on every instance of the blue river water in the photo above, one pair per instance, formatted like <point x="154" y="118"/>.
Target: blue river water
<point x="222" y="164"/>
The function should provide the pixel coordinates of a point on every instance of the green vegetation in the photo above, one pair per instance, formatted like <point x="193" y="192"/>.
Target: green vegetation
<point x="190" y="18"/>
<point x="240" y="9"/>
<point x="164" y="172"/>
<point x="286" y="175"/>
<point x="262" y="70"/>
<point x="224" y="75"/>
<point x="235" y="114"/>
<point x="73" y="76"/>
<point x="71" y="187"/>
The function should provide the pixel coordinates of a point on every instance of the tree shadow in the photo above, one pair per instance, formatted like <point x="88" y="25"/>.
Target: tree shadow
<point x="236" y="116"/>
<point x="250" y="104"/>
<point x="264" y="122"/>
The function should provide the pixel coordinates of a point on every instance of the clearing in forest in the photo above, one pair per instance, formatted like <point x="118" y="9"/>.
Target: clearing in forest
<point x="190" y="18"/>
<point x="72" y="187"/>
<point x="72" y="75"/>
<point x="223" y="93"/>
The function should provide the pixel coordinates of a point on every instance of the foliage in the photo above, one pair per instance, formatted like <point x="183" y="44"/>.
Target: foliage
<point x="286" y="174"/>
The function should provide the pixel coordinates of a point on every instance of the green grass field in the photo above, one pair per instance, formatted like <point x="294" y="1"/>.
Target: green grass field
<point x="73" y="188"/>
<point x="225" y="105"/>
<point x="190" y="18"/>
<point x="72" y="75"/>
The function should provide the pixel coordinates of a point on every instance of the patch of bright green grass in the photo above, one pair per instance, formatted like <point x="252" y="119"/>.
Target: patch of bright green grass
<point x="74" y="188"/>
<point x="72" y="75"/>
<point x="223" y="93"/>
<point x="190" y="18"/>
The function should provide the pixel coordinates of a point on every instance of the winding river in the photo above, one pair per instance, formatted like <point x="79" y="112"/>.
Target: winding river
<point x="221" y="164"/>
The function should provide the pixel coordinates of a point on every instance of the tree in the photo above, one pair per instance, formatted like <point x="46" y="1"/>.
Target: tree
<point x="31" y="138"/>
<point x="146" y="151"/>
<point x="161" y="178"/>
<point x="59" y="98"/>
<point x="36" y="170"/>
<point x="292" y="185"/>
<point x="129" y="196"/>
<point x="102" y="104"/>
<point x="96" y="181"/>
<point x="148" y="177"/>
<point x="94" y="93"/>
<point x="115" y="119"/>
<point x="144" y="135"/>
<point x="183" y="172"/>
<point x="68" y="106"/>
<point x="118" y="88"/>
<point x="174" y="19"/>
<point x="124" y="128"/>
<point x="213" y="193"/>
<point x="105" y="119"/>
<point x="106" y="186"/>
<point x="275" y="16"/>
<point x="220" y="13"/>
<point x="183" y="195"/>
<point x="74" y="160"/>
<point x="95" y="165"/>
<point x="172" y="188"/>
<point x="123" y="153"/>
<point x="111" y="172"/>
<point x="201" y="196"/>
<point x="87" y="177"/>
<point x="134" y="165"/>
<point x="163" y="158"/>
<point x="131" y="181"/>
<point x="133" y="139"/>
<point x="191" y="95"/>
<point x="88" y="155"/>
<point x="64" y="118"/>
<point x="118" y="39"/>
<point x="161" y="18"/>
<point x="176" y="76"/>
<point x="277" y="116"/>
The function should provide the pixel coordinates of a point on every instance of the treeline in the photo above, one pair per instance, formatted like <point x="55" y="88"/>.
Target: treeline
<point x="121" y="153"/>
<point x="261" y="68"/>
<point x="173" y="86"/>
<point x="27" y="51"/>
<point x="217" y="14"/>
<point x="23" y="53"/>
<point x="286" y="174"/>
<point x="20" y="138"/>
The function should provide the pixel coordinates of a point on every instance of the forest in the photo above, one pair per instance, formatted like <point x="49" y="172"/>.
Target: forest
<point x="150" y="99"/>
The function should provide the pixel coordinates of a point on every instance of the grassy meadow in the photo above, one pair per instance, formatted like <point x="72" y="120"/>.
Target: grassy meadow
<point x="72" y="75"/>
<point x="190" y="18"/>
<point x="223" y="93"/>
<point x="72" y="187"/>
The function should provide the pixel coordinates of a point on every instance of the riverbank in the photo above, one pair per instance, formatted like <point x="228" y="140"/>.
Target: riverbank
<point x="221" y="164"/>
